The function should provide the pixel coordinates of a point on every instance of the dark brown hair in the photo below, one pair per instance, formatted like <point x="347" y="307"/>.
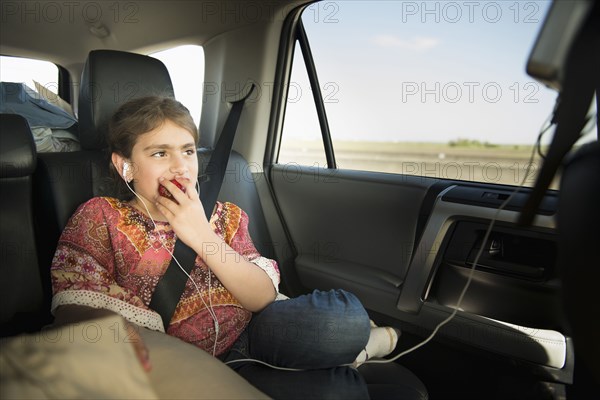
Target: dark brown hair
<point x="137" y="117"/>
<point x="142" y="115"/>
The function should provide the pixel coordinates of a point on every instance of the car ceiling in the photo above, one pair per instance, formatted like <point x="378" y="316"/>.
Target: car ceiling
<point x="62" y="32"/>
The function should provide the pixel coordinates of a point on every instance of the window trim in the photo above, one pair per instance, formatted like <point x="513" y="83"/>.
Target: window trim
<point x="292" y="32"/>
<point x="281" y="88"/>
<point x="311" y="69"/>
<point x="64" y="84"/>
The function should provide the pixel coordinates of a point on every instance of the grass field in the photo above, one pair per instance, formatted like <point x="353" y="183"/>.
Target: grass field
<point x="469" y="161"/>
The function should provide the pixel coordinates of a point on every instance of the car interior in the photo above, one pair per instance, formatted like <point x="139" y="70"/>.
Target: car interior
<point x="490" y="284"/>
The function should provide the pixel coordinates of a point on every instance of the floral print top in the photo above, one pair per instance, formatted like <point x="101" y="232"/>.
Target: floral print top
<point x="110" y="255"/>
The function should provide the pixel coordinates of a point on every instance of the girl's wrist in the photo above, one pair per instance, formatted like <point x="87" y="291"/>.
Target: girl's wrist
<point x="208" y="244"/>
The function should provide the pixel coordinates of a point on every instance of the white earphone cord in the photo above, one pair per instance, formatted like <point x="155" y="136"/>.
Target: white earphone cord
<point x="547" y="125"/>
<point x="405" y="352"/>
<point x="471" y="272"/>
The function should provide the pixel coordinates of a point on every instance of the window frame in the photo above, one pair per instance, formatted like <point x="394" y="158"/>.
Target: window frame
<point x="293" y="32"/>
<point x="311" y="69"/>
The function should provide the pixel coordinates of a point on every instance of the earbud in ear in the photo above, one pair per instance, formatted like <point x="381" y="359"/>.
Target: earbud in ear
<point x="125" y="169"/>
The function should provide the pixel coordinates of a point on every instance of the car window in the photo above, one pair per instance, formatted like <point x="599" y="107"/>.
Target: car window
<point x="186" y="68"/>
<point x="29" y="71"/>
<point x="185" y="65"/>
<point x="433" y="89"/>
<point x="42" y="77"/>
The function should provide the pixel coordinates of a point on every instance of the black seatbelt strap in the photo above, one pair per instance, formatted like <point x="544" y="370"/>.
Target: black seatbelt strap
<point x="170" y="287"/>
<point x="580" y="81"/>
<point x="215" y="169"/>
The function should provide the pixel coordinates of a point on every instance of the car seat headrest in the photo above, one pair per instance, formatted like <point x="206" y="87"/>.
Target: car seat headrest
<point x="111" y="78"/>
<point x="18" y="156"/>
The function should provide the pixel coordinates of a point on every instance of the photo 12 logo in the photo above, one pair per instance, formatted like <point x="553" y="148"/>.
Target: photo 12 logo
<point x="470" y="92"/>
<point x="90" y="12"/>
<point x="453" y="12"/>
<point x="253" y="11"/>
<point x="224" y="91"/>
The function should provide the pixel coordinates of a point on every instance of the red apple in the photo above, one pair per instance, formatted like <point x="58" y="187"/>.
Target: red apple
<point x="165" y="193"/>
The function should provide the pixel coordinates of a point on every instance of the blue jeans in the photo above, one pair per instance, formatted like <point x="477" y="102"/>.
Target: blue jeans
<point x="317" y="332"/>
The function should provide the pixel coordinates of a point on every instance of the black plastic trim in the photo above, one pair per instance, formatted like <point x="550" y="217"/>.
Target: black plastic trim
<point x="311" y="69"/>
<point x="493" y="198"/>
<point x="64" y="84"/>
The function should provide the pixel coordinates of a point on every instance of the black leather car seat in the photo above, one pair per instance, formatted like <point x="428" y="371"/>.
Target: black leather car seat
<point x="24" y="306"/>
<point x="578" y="224"/>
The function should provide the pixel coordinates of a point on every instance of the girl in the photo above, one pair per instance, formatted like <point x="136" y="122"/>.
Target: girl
<point x="113" y="252"/>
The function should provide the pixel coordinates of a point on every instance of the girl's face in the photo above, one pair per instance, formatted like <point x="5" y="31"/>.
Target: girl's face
<point x="168" y="151"/>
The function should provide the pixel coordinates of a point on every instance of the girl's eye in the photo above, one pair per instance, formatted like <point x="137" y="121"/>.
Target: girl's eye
<point x="159" y="154"/>
<point x="190" y="152"/>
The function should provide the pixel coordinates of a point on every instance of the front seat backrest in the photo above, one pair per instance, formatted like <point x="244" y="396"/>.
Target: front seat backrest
<point x="21" y="287"/>
<point x="111" y="78"/>
<point x="63" y="181"/>
<point x="578" y="223"/>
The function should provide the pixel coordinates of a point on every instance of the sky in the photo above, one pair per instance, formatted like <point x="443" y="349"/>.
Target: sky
<point x="425" y="71"/>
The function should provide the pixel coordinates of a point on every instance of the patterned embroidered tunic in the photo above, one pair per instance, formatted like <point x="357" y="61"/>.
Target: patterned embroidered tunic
<point x="111" y="256"/>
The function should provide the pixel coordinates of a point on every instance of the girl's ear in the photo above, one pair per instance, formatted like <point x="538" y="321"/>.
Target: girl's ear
<point x="122" y="166"/>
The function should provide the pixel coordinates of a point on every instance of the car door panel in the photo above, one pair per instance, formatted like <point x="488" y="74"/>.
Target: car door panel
<point x="357" y="230"/>
<point x="350" y="225"/>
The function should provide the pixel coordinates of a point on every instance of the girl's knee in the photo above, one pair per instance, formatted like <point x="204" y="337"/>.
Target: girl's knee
<point x="324" y="329"/>
<point x="346" y="310"/>
<point x="340" y="301"/>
